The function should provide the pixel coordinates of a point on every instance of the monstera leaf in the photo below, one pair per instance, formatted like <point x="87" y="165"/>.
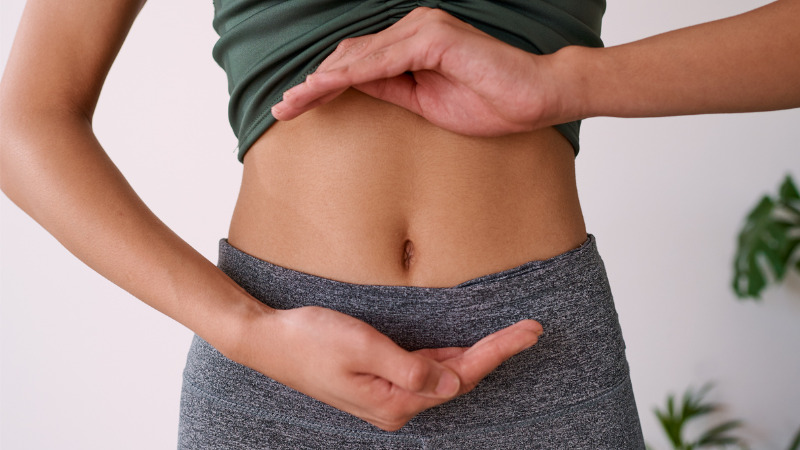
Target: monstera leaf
<point x="768" y="243"/>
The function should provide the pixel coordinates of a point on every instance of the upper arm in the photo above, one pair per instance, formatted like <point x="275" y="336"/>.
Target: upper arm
<point x="62" y="53"/>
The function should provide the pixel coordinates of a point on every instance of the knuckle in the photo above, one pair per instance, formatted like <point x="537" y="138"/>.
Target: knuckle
<point x="344" y="44"/>
<point x="438" y="14"/>
<point x="360" y="341"/>
<point x="392" y="418"/>
<point x="351" y="45"/>
<point x="417" y="375"/>
<point x="395" y="412"/>
<point x="495" y="353"/>
<point x="381" y="389"/>
<point x="419" y="11"/>
<point x="361" y="338"/>
<point x="377" y="55"/>
<point x="434" y="15"/>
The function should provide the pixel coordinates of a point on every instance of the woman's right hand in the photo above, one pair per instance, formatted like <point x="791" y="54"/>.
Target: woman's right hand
<point x="348" y="364"/>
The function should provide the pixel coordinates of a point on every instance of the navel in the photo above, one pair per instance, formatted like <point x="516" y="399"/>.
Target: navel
<point x="408" y="254"/>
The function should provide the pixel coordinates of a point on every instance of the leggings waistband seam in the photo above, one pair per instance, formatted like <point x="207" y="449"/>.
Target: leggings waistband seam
<point x="479" y="428"/>
<point x="294" y="421"/>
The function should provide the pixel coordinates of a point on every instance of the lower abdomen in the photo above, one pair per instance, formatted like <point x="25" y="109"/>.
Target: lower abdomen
<point x="364" y="192"/>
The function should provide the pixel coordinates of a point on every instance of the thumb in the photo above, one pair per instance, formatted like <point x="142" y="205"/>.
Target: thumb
<point x="400" y="90"/>
<point x="413" y="372"/>
<point x="493" y="350"/>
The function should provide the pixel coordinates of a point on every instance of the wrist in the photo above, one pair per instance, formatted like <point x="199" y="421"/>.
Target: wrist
<point x="246" y="324"/>
<point x="231" y="324"/>
<point x="576" y="79"/>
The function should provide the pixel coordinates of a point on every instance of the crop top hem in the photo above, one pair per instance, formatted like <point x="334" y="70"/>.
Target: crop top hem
<point x="268" y="46"/>
<point x="568" y="130"/>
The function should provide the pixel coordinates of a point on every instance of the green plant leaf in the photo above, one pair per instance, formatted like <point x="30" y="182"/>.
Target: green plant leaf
<point x="716" y="435"/>
<point x="771" y="232"/>
<point x="795" y="445"/>
<point x="692" y="405"/>
<point x="788" y="191"/>
<point x="670" y="422"/>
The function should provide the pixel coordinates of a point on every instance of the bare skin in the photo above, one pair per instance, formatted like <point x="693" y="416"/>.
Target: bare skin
<point x="347" y="193"/>
<point x="47" y="98"/>
<point x="465" y="209"/>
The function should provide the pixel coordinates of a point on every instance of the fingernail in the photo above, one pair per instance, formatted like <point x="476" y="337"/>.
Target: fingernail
<point x="536" y="327"/>
<point x="277" y="109"/>
<point x="448" y="385"/>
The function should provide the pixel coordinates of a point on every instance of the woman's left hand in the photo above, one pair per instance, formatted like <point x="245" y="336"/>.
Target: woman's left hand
<point x="463" y="79"/>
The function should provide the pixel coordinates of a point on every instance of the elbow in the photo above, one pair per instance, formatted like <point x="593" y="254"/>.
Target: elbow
<point x="6" y="160"/>
<point x="21" y="132"/>
<point x="11" y="143"/>
<point x="39" y="139"/>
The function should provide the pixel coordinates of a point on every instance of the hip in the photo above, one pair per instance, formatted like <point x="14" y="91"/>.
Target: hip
<point x="572" y="387"/>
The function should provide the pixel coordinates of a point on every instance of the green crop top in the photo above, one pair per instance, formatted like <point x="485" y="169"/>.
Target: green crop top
<point x="268" y="46"/>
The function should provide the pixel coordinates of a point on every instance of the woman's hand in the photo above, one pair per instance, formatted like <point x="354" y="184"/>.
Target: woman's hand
<point x="463" y="79"/>
<point x="468" y="82"/>
<point x="349" y="365"/>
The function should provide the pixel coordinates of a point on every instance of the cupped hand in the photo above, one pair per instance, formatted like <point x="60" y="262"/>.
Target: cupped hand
<point x="443" y="69"/>
<point x="348" y="364"/>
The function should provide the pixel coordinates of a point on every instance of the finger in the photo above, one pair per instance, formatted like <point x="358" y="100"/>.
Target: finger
<point x="442" y="354"/>
<point x="493" y="350"/>
<point x="387" y="406"/>
<point x="409" y="371"/>
<point x="345" y="48"/>
<point x="400" y="90"/>
<point x="287" y="110"/>
<point x="388" y="62"/>
<point x="417" y="41"/>
<point x="411" y="54"/>
<point x="356" y="47"/>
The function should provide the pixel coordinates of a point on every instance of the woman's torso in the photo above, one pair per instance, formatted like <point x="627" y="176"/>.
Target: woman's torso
<point x="362" y="191"/>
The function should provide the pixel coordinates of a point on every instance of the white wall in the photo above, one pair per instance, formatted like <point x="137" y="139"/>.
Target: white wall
<point x="666" y="198"/>
<point x="85" y="365"/>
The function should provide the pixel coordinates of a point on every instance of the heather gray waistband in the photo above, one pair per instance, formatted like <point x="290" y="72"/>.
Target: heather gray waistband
<point x="576" y="373"/>
<point x="556" y="292"/>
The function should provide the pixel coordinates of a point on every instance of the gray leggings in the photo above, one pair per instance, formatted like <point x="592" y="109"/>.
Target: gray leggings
<point x="569" y="391"/>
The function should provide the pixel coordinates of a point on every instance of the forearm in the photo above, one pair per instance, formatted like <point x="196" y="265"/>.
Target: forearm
<point x="55" y="170"/>
<point x="744" y="63"/>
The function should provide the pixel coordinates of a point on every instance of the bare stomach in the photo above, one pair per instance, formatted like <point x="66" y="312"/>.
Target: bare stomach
<point x="364" y="192"/>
